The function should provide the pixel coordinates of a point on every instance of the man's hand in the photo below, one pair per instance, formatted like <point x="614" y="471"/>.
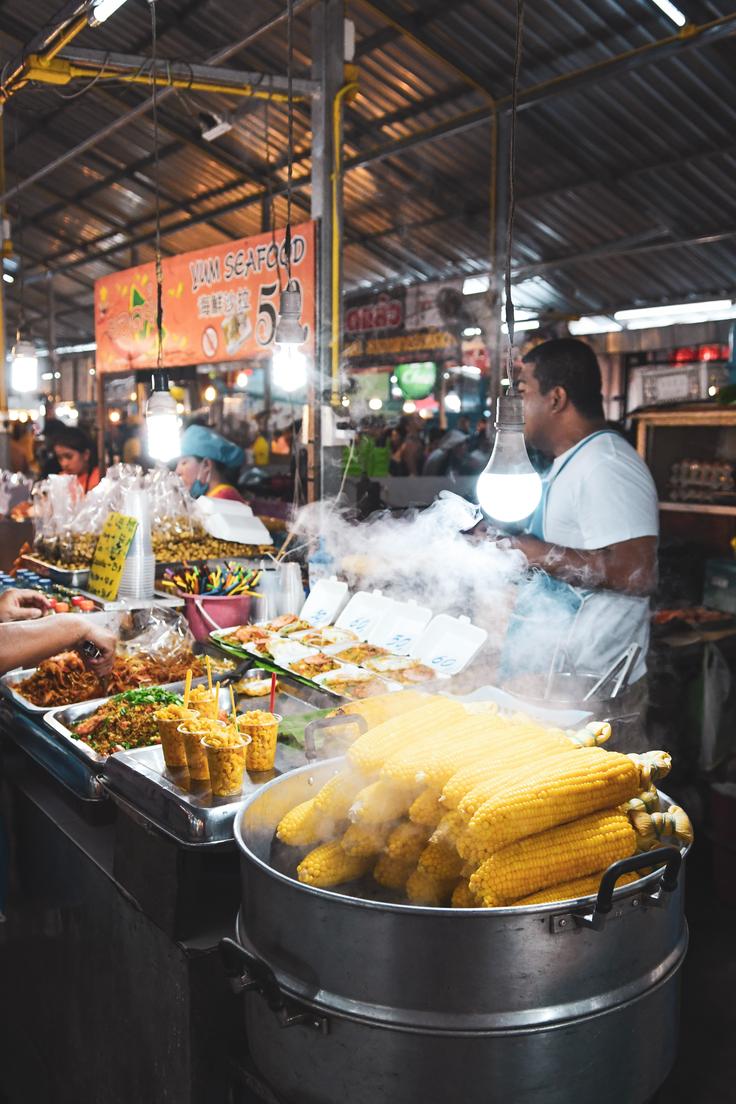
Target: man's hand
<point x="23" y="605"/>
<point x="103" y="640"/>
<point x="629" y="567"/>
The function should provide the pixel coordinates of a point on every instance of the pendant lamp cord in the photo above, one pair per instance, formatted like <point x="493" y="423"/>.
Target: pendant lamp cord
<point x="290" y="132"/>
<point x="157" y="194"/>
<point x="509" y="306"/>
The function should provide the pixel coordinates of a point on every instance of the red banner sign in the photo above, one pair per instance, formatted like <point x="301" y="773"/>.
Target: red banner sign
<point x="219" y="304"/>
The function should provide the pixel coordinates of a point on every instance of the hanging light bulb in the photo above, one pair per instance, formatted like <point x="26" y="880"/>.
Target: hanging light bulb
<point x="210" y="393"/>
<point x="162" y="420"/>
<point x="289" y="364"/>
<point x="241" y="380"/>
<point x="508" y="488"/>
<point x="23" y="367"/>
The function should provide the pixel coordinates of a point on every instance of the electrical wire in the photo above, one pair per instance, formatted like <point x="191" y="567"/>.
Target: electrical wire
<point x="157" y="195"/>
<point x="509" y="306"/>
<point x="290" y="129"/>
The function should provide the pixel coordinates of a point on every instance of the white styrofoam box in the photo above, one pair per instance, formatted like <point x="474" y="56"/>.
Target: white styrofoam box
<point x="509" y="703"/>
<point x="400" y="627"/>
<point x="285" y="652"/>
<point x="363" y="612"/>
<point x="325" y="600"/>
<point x="233" y="521"/>
<point x="448" y="644"/>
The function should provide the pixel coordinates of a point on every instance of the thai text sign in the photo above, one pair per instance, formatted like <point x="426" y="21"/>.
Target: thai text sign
<point x="219" y="304"/>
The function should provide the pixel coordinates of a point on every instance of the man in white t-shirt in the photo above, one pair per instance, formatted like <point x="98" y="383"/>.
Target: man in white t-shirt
<point x="595" y="531"/>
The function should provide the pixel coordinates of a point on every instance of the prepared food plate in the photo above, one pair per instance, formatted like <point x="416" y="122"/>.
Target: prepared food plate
<point x="358" y="653"/>
<point x="312" y="664"/>
<point x="241" y="635"/>
<point x="285" y="625"/>
<point x="323" y="638"/>
<point x="355" y="682"/>
<point x="401" y="668"/>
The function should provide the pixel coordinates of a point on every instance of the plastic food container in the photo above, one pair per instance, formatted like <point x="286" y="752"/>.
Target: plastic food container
<point x="226" y="755"/>
<point x="262" y="729"/>
<point x="194" y="733"/>
<point x="205" y="702"/>
<point x="172" y="740"/>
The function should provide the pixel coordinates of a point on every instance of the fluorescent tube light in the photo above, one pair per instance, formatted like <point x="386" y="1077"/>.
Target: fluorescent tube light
<point x="678" y="309"/>
<point x="474" y="285"/>
<point x="673" y="13"/>
<point x="522" y="326"/>
<point x="593" y="324"/>
<point x="102" y="10"/>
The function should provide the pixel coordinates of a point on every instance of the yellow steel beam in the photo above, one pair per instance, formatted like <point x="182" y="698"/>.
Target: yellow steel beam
<point x="46" y="70"/>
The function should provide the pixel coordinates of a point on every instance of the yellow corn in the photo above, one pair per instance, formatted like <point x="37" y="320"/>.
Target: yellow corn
<point x="328" y="865"/>
<point x="420" y="759"/>
<point x="424" y="889"/>
<point x="337" y="795"/>
<point x="463" y="897"/>
<point x="380" y="802"/>
<point x="299" y="828"/>
<point x="406" y="842"/>
<point x="652" y="766"/>
<point x="372" y="749"/>
<point x="361" y="840"/>
<point x="449" y="829"/>
<point x="392" y="873"/>
<point x="570" y="891"/>
<point x="384" y="707"/>
<point x="551" y="857"/>
<point x="655" y="829"/>
<point x="440" y="860"/>
<point x="426" y="809"/>
<point x="511" y="774"/>
<point x="560" y="791"/>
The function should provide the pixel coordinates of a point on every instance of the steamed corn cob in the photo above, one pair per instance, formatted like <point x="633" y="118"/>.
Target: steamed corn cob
<point x="655" y="829"/>
<point x="380" y="802"/>
<point x="570" y="891"/>
<point x="491" y="770"/>
<point x="383" y="707"/>
<point x="328" y="865"/>
<point x="338" y="794"/>
<point x="406" y="842"/>
<point x="420" y="760"/>
<point x="512" y="774"/>
<point x="392" y="873"/>
<point x="424" y="889"/>
<point x="361" y="840"/>
<point x="441" y="860"/>
<point x="299" y="828"/>
<point x="553" y="857"/>
<point x="449" y="829"/>
<point x="370" y="751"/>
<point x="426" y="809"/>
<point x="463" y="897"/>
<point x="653" y="766"/>
<point x="574" y="787"/>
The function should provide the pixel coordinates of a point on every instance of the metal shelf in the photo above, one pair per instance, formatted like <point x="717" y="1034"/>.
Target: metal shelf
<point x="698" y="508"/>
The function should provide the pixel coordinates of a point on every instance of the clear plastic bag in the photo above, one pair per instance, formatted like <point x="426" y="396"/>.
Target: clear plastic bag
<point x="160" y="632"/>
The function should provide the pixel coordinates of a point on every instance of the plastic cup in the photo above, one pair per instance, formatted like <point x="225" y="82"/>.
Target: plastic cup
<point x="172" y="740"/>
<point x="226" y="763"/>
<point x="205" y="702"/>
<point x="263" y="730"/>
<point x="193" y="733"/>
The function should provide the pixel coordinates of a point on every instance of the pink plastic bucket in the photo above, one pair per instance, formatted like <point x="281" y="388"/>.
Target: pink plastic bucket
<point x="206" y="613"/>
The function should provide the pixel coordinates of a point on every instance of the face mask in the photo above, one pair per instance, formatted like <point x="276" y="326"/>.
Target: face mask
<point x="199" y="487"/>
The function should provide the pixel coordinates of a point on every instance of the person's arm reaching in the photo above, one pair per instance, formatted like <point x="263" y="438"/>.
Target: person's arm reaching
<point x="629" y="567"/>
<point x="27" y="643"/>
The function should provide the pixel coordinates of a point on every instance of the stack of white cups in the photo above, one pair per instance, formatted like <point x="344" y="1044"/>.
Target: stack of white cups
<point x="139" y="573"/>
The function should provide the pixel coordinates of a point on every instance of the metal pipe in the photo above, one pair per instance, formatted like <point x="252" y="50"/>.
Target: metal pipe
<point x="144" y="107"/>
<point x="349" y="89"/>
<point x="3" y="215"/>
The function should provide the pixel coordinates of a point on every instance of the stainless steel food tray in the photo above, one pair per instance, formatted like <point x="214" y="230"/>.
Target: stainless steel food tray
<point x="76" y="578"/>
<point x="13" y="678"/>
<point x="292" y="698"/>
<point x="141" y="778"/>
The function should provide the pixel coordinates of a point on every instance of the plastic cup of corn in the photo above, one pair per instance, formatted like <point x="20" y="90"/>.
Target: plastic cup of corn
<point x="263" y="729"/>
<point x="193" y="733"/>
<point x="205" y="702"/>
<point x="169" y="719"/>
<point x="226" y="754"/>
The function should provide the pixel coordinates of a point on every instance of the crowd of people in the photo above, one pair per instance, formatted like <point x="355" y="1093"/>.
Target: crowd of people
<point x="421" y="448"/>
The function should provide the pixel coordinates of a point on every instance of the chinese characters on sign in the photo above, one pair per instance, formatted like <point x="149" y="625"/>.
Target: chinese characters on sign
<point x="219" y="304"/>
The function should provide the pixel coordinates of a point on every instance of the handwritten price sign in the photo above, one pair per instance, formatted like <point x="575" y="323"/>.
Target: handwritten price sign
<point x="109" y="558"/>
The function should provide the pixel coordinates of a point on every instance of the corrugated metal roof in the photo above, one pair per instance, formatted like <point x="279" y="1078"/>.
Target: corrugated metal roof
<point x="614" y="180"/>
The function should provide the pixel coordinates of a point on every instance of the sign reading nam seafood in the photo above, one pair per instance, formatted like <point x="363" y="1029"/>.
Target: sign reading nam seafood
<point x="219" y="304"/>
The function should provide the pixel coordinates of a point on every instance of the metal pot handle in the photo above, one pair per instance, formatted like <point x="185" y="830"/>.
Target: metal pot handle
<point x="666" y="885"/>
<point x="322" y="724"/>
<point x="247" y="972"/>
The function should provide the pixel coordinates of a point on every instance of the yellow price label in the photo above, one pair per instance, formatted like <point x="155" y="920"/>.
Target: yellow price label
<point x="109" y="558"/>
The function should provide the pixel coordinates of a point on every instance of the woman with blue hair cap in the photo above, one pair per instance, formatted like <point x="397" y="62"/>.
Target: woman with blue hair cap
<point x="209" y="464"/>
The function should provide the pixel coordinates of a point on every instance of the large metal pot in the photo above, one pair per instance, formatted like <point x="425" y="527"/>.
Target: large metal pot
<point x="402" y="1005"/>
